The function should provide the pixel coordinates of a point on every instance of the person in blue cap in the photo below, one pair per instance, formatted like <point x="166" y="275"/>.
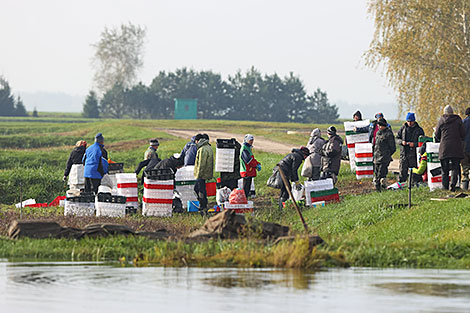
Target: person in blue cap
<point x="407" y="138"/>
<point x="95" y="165"/>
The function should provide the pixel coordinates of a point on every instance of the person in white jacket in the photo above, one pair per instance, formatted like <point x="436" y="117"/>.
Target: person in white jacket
<point x="312" y="165"/>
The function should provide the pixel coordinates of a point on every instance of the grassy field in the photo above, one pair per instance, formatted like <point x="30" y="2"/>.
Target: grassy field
<point x="365" y="229"/>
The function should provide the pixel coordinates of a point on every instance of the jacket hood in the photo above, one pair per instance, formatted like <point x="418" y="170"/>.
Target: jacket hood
<point x="406" y="124"/>
<point x="202" y="142"/>
<point x="315" y="133"/>
<point x="449" y="118"/>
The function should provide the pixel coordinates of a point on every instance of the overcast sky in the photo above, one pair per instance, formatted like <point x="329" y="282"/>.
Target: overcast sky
<point x="46" y="45"/>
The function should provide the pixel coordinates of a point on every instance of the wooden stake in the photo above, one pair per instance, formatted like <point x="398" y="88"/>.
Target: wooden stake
<point x="286" y="184"/>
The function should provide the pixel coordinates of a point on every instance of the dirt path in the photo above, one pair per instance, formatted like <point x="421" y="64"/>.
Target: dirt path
<point x="261" y="143"/>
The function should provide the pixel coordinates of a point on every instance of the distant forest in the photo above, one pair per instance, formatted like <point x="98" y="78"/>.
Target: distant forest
<point x="244" y="96"/>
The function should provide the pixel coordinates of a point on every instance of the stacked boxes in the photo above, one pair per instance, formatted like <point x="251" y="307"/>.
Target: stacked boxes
<point x="354" y="137"/>
<point x="320" y="190"/>
<point x="80" y="206"/>
<point x="363" y="160"/>
<point x="184" y="184"/>
<point x="111" y="206"/>
<point x="225" y="155"/>
<point x="127" y="187"/>
<point x="158" y="194"/>
<point x="434" y="166"/>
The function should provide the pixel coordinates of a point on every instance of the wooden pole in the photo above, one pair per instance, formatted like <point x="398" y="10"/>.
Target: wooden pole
<point x="286" y="184"/>
<point x="409" y="188"/>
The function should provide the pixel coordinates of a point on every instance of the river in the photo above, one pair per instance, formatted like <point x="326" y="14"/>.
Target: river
<point x="97" y="287"/>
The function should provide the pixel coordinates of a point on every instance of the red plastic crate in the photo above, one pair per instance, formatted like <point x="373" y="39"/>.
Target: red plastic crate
<point x="211" y="189"/>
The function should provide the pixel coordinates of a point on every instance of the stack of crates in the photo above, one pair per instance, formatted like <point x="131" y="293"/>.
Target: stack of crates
<point x="110" y="206"/>
<point x="158" y="193"/>
<point x="113" y="169"/>
<point x="355" y="137"/>
<point x="225" y="155"/>
<point x="320" y="190"/>
<point x="127" y="187"/>
<point x="184" y="184"/>
<point x="363" y="160"/>
<point x="83" y="205"/>
<point x="433" y="166"/>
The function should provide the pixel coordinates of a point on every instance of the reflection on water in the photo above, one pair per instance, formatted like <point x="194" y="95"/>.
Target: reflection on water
<point x="429" y="289"/>
<point x="91" y="287"/>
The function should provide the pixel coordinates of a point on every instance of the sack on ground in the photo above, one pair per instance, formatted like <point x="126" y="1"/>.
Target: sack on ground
<point x="275" y="180"/>
<point x="298" y="194"/>
<point x="237" y="196"/>
<point x="307" y="168"/>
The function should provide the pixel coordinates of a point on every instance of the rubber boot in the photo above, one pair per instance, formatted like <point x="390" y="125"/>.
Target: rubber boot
<point x="465" y="185"/>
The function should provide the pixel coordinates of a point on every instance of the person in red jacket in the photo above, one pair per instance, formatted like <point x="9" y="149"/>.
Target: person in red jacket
<point x="248" y="164"/>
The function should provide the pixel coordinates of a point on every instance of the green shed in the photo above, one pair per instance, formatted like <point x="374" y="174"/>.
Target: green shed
<point x="185" y="109"/>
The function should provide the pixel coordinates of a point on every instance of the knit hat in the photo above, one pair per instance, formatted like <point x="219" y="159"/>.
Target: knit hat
<point x="154" y="142"/>
<point x="410" y="117"/>
<point x="379" y="115"/>
<point x="248" y="137"/>
<point x="358" y="114"/>
<point x="448" y="110"/>
<point x="467" y="111"/>
<point x="331" y="130"/>
<point x="99" y="137"/>
<point x="315" y="133"/>
<point x="382" y="122"/>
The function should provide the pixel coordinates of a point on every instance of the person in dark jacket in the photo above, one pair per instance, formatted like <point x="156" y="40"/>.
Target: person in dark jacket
<point x="451" y="134"/>
<point x="151" y="158"/>
<point x="331" y="155"/>
<point x="189" y="152"/>
<point x="408" y="140"/>
<point x="290" y="165"/>
<point x="170" y="163"/>
<point x="466" y="158"/>
<point x="230" y="179"/>
<point x="76" y="157"/>
<point x="357" y="116"/>
<point x="93" y="161"/>
<point x="373" y="127"/>
<point x="384" y="147"/>
<point x="248" y="164"/>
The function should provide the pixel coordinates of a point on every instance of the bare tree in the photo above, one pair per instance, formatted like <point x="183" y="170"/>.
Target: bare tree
<point x="118" y="56"/>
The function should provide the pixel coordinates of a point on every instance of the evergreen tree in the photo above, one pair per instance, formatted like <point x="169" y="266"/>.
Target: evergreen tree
<point x="20" y="109"/>
<point x="35" y="112"/>
<point x="113" y="103"/>
<point x="90" y="107"/>
<point x="7" y="101"/>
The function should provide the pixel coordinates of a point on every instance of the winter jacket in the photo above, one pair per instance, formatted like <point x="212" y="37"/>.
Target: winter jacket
<point x="248" y="162"/>
<point x="331" y="155"/>
<point x="204" y="165"/>
<point x="290" y="164"/>
<point x="466" y="126"/>
<point x="409" y="134"/>
<point x="189" y="152"/>
<point x="423" y="164"/>
<point x="151" y="153"/>
<point x="76" y="157"/>
<point x="235" y="175"/>
<point x="384" y="146"/>
<point x="451" y="134"/>
<point x="170" y="163"/>
<point x="93" y="161"/>
<point x="373" y="128"/>
<point x="315" y="145"/>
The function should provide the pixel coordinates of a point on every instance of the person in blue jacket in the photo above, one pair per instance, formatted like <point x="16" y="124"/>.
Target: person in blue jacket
<point x="95" y="165"/>
<point x="189" y="152"/>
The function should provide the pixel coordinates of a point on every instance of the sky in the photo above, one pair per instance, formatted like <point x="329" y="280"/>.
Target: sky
<point x="47" y="45"/>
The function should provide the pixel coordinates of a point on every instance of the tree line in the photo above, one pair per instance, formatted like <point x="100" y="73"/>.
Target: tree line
<point x="9" y="106"/>
<point x="243" y="96"/>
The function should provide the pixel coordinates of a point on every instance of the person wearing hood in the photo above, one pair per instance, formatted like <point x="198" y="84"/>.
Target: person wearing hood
<point x="331" y="155"/>
<point x="290" y="166"/>
<point x="383" y="148"/>
<point x="312" y="165"/>
<point x="203" y="169"/>
<point x="408" y="140"/>
<point x="95" y="164"/>
<point x="466" y="159"/>
<point x="248" y="163"/>
<point x="357" y="116"/>
<point x="451" y="134"/>
<point x="189" y="152"/>
<point x="76" y="157"/>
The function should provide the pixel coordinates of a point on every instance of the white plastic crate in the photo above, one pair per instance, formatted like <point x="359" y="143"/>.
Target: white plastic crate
<point x="229" y="206"/>
<point x="353" y="139"/>
<point x="318" y="185"/>
<point x="123" y="178"/>
<point x="76" y="175"/>
<point x="187" y="194"/>
<point x="110" y="209"/>
<point x="185" y="173"/>
<point x="157" y="209"/>
<point x="158" y="182"/>
<point x="79" y="208"/>
<point x="224" y="159"/>
<point x="158" y="194"/>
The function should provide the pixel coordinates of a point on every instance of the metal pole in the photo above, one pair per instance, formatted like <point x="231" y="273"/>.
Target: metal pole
<point x="286" y="184"/>
<point x="409" y="187"/>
